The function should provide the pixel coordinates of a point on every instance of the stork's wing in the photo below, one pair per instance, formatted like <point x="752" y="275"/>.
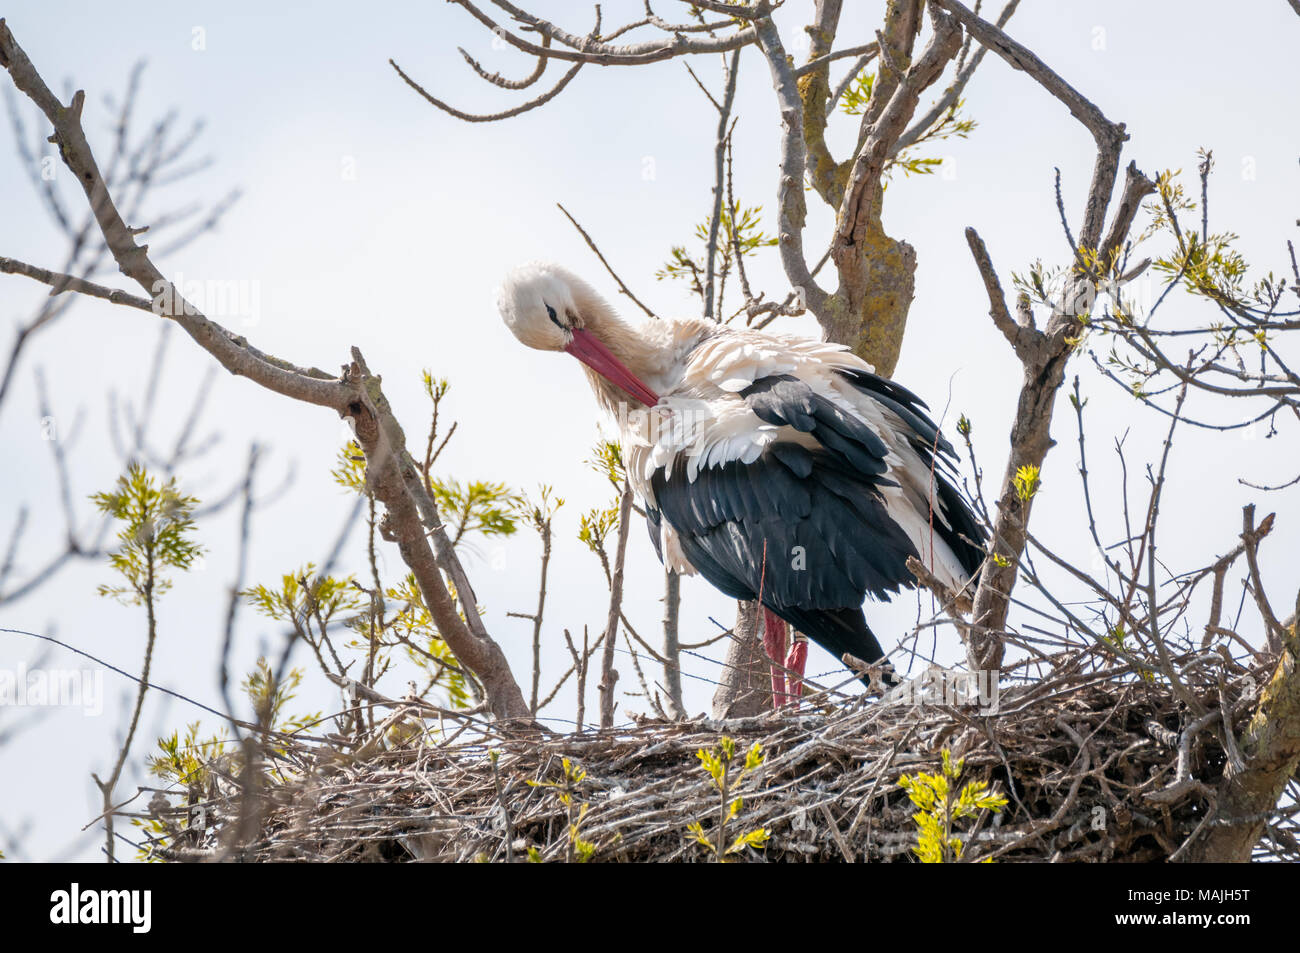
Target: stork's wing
<point x="803" y="526"/>
<point x="952" y="530"/>
<point x="808" y="486"/>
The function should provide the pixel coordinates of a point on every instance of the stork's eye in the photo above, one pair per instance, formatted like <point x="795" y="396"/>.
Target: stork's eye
<point x="552" y="315"/>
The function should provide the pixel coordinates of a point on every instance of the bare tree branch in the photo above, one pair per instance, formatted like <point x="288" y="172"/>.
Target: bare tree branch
<point x="1109" y="136"/>
<point x="864" y="181"/>
<point x="608" y="674"/>
<point x="952" y="94"/>
<point x="719" y="160"/>
<point x="791" y="210"/>
<point x="541" y="100"/>
<point x="1023" y="338"/>
<point x="496" y="79"/>
<point x="590" y="49"/>
<point x="1044" y="361"/>
<point x="622" y="286"/>
<point x="357" y="394"/>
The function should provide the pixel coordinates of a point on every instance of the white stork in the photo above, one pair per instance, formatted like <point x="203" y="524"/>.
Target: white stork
<point x="779" y="468"/>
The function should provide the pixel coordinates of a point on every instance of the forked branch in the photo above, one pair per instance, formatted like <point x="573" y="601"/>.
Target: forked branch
<point x="412" y="521"/>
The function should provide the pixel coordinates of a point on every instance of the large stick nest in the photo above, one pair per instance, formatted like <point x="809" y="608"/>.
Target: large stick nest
<point x="1106" y="766"/>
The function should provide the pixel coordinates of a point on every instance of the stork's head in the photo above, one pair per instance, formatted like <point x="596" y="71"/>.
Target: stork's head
<point x="548" y="308"/>
<point x="539" y="305"/>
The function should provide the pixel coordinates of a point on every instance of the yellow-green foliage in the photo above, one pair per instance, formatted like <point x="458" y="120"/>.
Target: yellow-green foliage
<point x="607" y="460"/>
<point x="435" y="387"/>
<point x="350" y="472"/>
<point x="270" y="698"/>
<point x="1027" y="482"/>
<point x="479" y="506"/>
<point x="595" y="525"/>
<point x="156" y="535"/>
<point x="858" y="94"/>
<point x="437" y="660"/>
<point x="1208" y="264"/>
<point x="743" y="230"/>
<point x="857" y="98"/>
<point x="578" y="850"/>
<point x="485" y="507"/>
<point x="186" y="762"/>
<point x="539" y="512"/>
<point x="950" y="125"/>
<point x="1117" y="639"/>
<point x="717" y="763"/>
<point x="304" y="595"/>
<point x="940" y="809"/>
<point x="1040" y="285"/>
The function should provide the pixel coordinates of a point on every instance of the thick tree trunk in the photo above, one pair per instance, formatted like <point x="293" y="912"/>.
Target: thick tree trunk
<point x="869" y="312"/>
<point x="745" y="687"/>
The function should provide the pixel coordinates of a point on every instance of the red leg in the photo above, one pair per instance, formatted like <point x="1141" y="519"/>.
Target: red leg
<point x="795" y="662"/>
<point x="774" y="642"/>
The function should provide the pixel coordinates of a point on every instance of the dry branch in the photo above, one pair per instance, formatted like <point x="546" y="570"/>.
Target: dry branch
<point x="590" y="49"/>
<point x="1043" y="354"/>
<point x="608" y="674"/>
<point x="1267" y="757"/>
<point x="1093" y="760"/>
<point x="412" y="515"/>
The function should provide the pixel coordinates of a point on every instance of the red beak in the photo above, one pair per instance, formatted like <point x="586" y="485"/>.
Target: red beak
<point x="599" y="358"/>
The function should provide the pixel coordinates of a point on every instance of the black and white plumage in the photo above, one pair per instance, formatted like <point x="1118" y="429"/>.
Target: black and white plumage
<point x="779" y="468"/>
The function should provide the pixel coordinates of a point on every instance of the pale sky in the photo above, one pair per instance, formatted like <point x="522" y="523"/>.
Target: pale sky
<point x="370" y="219"/>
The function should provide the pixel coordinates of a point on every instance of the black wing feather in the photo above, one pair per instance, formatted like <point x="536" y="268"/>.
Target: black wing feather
<point x="807" y="531"/>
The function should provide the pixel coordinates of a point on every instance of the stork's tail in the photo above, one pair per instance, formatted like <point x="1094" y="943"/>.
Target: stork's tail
<point x="841" y="631"/>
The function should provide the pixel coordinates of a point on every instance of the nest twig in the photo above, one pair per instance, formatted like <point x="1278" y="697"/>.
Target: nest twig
<point x="1098" y="762"/>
